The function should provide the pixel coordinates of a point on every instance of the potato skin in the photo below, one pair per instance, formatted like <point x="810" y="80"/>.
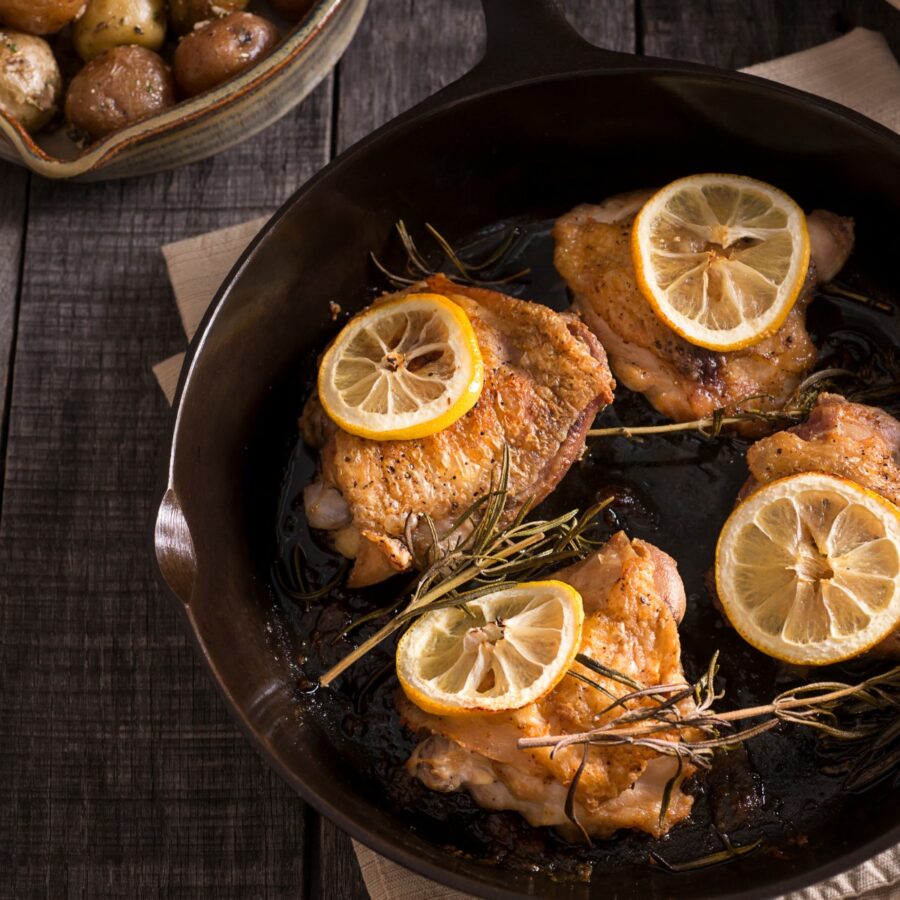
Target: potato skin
<point x="185" y="14"/>
<point x="39" y="16"/>
<point x="294" y="10"/>
<point x="30" y="83"/>
<point x="221" y="49"/>
<point x="114" y="23"/>
<point x="118" y="88"/>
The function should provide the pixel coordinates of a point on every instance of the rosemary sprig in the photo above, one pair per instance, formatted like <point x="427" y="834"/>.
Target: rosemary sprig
<point x="836" y="291"/>
<point x="480" y="554"/>
<point x="466" y="270"/>
<point x="866" y="716"/>
<point x="297" y="587"/>
<point x="704" y="862"/>
<point x="795" y="409"/>
<point x="867" y="759"/>
<point x="813" y="705"/>
<point x="878" y="379"/>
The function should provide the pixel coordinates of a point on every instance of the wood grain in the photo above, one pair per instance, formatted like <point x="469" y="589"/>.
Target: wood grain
<point x="406" y="50"/>
<point x="735" y="33"/>
<point x="13" y="211"/>
<point x="122" y="774"/>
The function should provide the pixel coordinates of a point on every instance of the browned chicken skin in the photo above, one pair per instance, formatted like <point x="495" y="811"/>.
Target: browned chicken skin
<point x="681" y="380"/>
<point x="858" y="442"/>
<point x="861" y="443"/>
<point x="633" y="601"/>
<point x="546" y="377"/>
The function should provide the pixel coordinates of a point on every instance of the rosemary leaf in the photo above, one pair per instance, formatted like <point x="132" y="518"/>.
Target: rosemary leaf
<point x="871" y="770"/>
<point x="667" y="794"/>
<point x="593" y="684"/>
<point x="607" y="672"/>
<point x="704" y="862"/>
<point x="467" y="271"/>
<point x="308" y="596"/>
<point x="457" y="600"/>
<point x="837" y="291"/>
<point x="569" y="807"/>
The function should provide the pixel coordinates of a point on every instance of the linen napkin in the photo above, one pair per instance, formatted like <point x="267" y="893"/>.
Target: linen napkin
<point x="857" y="70"/>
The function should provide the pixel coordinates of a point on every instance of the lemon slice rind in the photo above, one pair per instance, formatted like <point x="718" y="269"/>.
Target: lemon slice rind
<point x="511" y="648"/>
<point x="721" y="258"/>
<point x="808" y="569"/>
<point x="403" y="369"/>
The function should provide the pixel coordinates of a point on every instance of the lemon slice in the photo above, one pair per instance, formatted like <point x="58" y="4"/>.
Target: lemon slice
<point x="510" y="649"/>
<point x="808" y="568"/>
<point x="721" y="258"/>
<point x="403" y="369"/>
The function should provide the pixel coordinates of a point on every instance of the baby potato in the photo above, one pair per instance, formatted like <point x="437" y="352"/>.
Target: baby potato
<point x="113" y="23"/>
<point x="294" y="10"/>
<point x="30" y="83"/>
<point x="39" y="16"/>
<point x="185" y="14"/>
<point x="118" y="88"/>
<point x="221" y="49"/>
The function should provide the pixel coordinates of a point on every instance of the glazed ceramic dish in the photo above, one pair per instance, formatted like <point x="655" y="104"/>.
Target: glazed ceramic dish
<point x="206" y="124"/>
<point x="544" y="122"/>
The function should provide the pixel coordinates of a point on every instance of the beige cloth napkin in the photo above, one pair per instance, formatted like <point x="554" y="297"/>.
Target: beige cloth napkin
<point x="857" y="70"/>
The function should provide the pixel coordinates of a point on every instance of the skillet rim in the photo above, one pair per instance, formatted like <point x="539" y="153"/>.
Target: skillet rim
<point x="470" y="88"/>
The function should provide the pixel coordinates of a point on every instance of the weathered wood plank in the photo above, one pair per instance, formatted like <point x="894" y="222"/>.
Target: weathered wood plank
<point x="121" y="773"/>
<point x="405" y="51"/>
<point x="13" y="204"/>
<point x="735" y="33"/>
<point x="335" y="874"/>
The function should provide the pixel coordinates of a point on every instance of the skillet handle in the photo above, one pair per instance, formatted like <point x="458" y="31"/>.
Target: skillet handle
<point x="533" y="38"/>
<point x="175" y="547"/>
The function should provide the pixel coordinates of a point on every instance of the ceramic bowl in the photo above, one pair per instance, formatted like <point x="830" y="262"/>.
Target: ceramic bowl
<point x="203" y="125"/>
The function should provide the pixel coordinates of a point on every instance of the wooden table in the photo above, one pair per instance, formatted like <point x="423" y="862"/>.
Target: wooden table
<point x="121" y="773"/>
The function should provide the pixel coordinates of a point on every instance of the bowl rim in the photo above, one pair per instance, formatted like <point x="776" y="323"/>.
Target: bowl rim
<point x="184" y="113"/>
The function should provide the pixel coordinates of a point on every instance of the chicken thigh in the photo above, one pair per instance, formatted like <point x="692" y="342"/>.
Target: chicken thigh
<point x="546" y="377"/>
<point x="633" y="601"/>
<point x="681" y="380"/>
<point x="854" y="441"/>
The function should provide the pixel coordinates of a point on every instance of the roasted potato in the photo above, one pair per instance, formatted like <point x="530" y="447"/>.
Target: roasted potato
<point x="220" y="49"/>
<point x="39" y="16"/>
<point x="185" y="14"/>
<point x="294" y="10"/>
<point x="30" y="83"/>
<point x="118" y="88"/>
<point x="114" y="23"/>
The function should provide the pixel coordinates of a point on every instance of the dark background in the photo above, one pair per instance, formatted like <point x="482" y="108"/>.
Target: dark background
<point x="121" y="774"/>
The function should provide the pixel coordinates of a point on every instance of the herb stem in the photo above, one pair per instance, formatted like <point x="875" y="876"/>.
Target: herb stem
<point x="835" y="290"/>
<point x="795" y="409"/>
<point x="625" y="431"/>
<point x="435" y="593"/>
<point x="781" y="704"/>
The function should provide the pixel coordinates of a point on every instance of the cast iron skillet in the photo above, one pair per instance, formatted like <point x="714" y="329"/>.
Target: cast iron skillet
<point x="545" y="121"/>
